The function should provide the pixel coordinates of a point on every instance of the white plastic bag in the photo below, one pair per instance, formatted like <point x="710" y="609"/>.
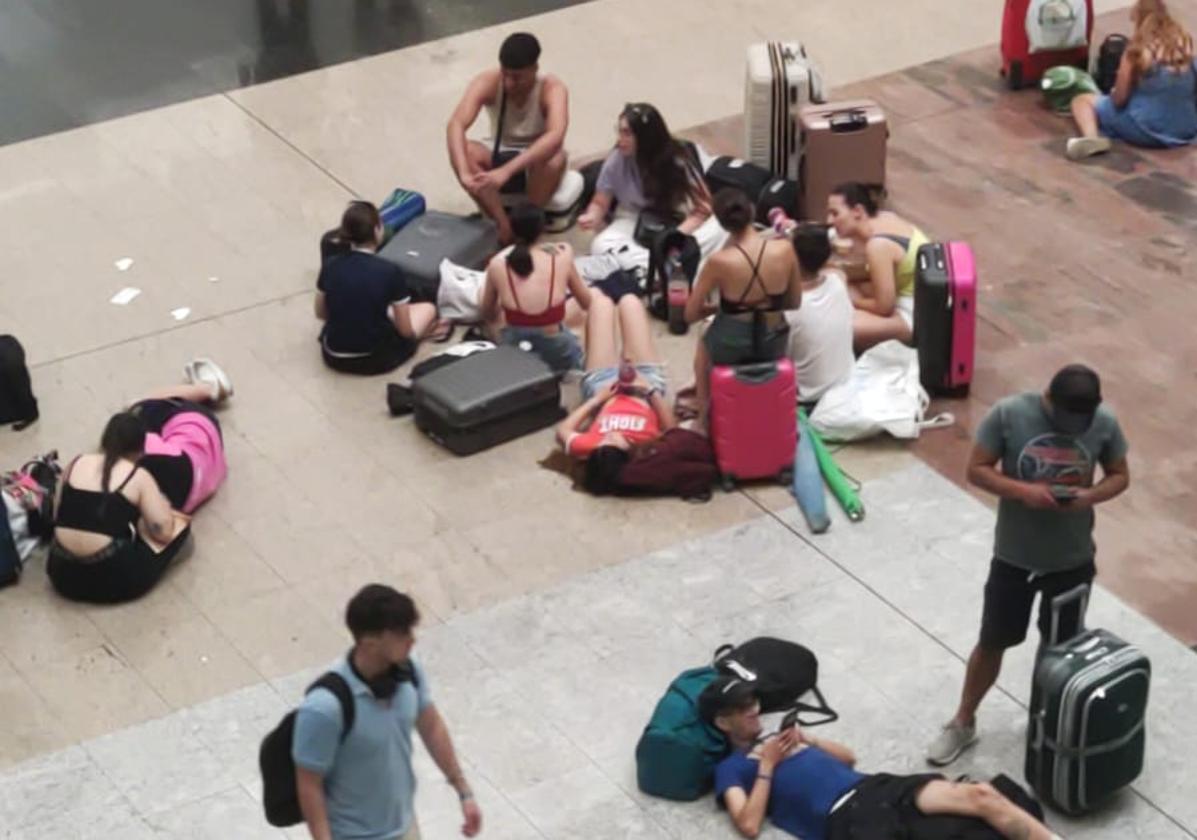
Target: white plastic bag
<point x="459" y="297"/>
<point x="1057" y="25"/>
<point x="883" y="394"/>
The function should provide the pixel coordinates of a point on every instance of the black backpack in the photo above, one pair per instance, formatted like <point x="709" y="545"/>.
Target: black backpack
<point x="17" y="403"/>
<point x="1109" y="56"/>
<point x="280" y="798"/>
<point x="781" y="672"/>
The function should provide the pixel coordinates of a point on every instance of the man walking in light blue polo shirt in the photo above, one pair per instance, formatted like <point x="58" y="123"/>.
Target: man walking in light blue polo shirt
<point x="361" y="786"/>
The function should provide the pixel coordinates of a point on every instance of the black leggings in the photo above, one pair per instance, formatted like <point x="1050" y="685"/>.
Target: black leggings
<point x="122" y="571"/>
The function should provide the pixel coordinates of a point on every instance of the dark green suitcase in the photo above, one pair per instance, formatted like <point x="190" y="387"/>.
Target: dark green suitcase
<point x="1088" y="714"/>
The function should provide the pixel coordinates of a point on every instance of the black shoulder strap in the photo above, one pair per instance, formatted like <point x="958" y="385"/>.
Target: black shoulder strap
<point x="826" y="713"/>
<point x="334" y="682"/>
<point x="494" y="152"/>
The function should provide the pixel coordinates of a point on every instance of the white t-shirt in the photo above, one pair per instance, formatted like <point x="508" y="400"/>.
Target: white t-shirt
<point x="821" y="337"/>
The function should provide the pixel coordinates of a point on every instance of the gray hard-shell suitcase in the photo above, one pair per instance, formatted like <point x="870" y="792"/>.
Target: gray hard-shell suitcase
<point x="422" y="243"/>
<point x="1086" y="735"/>
<point x="487" y="399"/>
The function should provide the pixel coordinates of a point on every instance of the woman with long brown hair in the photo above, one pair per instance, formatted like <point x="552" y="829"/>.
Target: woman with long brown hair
<point x="1152" y="103"/>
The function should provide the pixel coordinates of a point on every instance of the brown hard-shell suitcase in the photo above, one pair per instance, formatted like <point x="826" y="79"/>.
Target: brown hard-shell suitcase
<point x="841" y="141"/>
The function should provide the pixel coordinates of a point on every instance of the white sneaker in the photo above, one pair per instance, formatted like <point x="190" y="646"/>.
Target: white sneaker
<point x="1079" y="148"/>
<point x="209" y="373"/>
<point x="952" y="740"/>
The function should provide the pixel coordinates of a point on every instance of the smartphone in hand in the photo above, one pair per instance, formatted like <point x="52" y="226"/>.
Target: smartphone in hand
<point x="789" y="721"/>
<point x="1062" y="493"/>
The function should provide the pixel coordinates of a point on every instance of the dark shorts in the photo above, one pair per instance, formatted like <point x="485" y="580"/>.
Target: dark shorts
<point x="157" y="413"/>
<point x="1009" y="595"/>
<point x="733" y="340"/>
<point x="394" y="351"/>
<point x="123" y="571"/>
<point x="880" y="808"/>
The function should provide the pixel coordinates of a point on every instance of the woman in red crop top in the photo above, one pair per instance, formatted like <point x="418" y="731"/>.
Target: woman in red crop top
<point x="531" y="285"/>
<point x="614" y="421"/>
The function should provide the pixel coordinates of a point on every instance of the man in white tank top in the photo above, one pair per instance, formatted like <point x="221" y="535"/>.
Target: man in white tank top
<point x="529" y="114"/>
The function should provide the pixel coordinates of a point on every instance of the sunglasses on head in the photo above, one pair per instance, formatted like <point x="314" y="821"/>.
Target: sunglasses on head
<point x="638" y="112"/>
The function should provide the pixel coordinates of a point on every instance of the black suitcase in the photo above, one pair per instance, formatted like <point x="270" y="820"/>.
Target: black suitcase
<point x="422" y="243"/>
<point x="1086" y="735"/>
<point x="17" y="403"/>
<point x="764" y="188"/>
<point x="487" y="399"/>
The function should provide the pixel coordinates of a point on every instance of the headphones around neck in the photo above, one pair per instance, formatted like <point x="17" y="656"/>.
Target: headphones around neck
<point x="386" y="685"/>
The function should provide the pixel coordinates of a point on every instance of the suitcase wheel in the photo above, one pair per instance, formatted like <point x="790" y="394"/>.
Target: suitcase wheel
<point x="1014" y="76"/>
<point x="959" y="392"/>
<point x="786" y="477"/>
<point x="727" y="482"/>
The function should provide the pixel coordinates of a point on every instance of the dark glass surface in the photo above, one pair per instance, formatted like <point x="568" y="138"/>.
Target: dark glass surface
<point x="66" y="63"/>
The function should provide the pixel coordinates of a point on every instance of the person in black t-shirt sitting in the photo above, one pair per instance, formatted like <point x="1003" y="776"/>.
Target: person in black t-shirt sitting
<point x="371" y="324"/>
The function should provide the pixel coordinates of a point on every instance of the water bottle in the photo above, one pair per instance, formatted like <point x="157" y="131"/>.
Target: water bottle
<point x="677" y="291"/>
<point x="781" y="222"/>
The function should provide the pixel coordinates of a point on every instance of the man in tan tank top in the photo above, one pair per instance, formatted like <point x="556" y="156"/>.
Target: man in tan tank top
<point x="525" y="152"/>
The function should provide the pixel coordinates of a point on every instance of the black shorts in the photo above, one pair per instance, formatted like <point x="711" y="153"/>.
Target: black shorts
<point x="390" y="354"/>
<point x="882" y="805"/>
<point x="1009" y="595"/>
<point x="157" y="413"/>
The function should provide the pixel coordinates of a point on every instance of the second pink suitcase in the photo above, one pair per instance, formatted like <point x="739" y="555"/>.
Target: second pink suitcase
<point x="945" y="316"/>
<point x="754" y="425"/>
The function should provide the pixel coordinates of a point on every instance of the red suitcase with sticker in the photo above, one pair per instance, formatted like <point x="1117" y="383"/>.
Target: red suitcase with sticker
<point x="1038" y="34"/>
<point x="754" y="426"/>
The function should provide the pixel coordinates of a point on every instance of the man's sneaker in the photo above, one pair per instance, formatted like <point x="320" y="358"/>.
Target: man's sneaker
<point x="209" y="373"/>
<point x="951" y="742"/>
<point x="1079" y="148"/>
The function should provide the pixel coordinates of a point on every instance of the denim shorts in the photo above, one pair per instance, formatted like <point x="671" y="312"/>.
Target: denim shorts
<point x="560" y="350"/>
<point x="1118" y="124"/>
<point x="596" y="380"/>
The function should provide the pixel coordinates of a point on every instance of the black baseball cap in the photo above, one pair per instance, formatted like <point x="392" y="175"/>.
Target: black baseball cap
<point x="723" y="695"/>
<point x="519" y="50"/>
<point x="1075" y="394"/>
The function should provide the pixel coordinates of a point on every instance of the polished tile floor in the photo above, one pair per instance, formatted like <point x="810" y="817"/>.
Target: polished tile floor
<point x="547" y="693"/>
<point x="218" y="201"/>
<point x="68" y="63"/>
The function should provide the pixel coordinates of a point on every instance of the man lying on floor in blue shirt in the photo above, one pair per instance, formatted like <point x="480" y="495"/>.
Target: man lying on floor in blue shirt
<point x="808" y="786"/>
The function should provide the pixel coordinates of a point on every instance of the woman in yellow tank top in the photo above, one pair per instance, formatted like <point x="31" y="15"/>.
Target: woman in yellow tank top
<point x="883" y="295"/>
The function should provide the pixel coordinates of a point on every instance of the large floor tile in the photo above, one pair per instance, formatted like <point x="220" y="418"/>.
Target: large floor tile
<point x="160" y="765"/>
<point x="232" y="813"/>
<point x="586" y="803"/>
<point x="277" y="632"/>
<point x="59" y="787"/>
<point x="94" y="692"/>
<point x="30" y="728"/>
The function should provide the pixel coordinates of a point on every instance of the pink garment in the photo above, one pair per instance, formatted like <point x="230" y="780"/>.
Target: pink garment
<point x="194" y="435"/>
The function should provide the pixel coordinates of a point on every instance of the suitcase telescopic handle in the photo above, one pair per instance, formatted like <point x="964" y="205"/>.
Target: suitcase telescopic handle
<point x="845" y="121"/>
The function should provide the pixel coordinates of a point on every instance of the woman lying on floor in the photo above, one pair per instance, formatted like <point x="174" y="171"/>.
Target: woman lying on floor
<point x="123" y="514"/>
<point x="614" y="421"/>
<point x="1153" y="102"/>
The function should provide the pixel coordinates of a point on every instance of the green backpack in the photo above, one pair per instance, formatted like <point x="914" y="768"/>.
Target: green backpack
<point x="677" y="754"/>
<point x="1062" y="84"/>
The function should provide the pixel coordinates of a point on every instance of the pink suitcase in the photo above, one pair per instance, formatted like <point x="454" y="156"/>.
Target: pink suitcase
<point x="754" y="425"/>
<point x="945" y="316"/>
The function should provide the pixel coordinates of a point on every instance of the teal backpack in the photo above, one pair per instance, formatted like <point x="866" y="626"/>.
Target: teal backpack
<point x="677" y="754"/>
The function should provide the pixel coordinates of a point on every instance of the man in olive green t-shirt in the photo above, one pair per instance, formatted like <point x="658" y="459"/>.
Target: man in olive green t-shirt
<point x="1048" y="447"/>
